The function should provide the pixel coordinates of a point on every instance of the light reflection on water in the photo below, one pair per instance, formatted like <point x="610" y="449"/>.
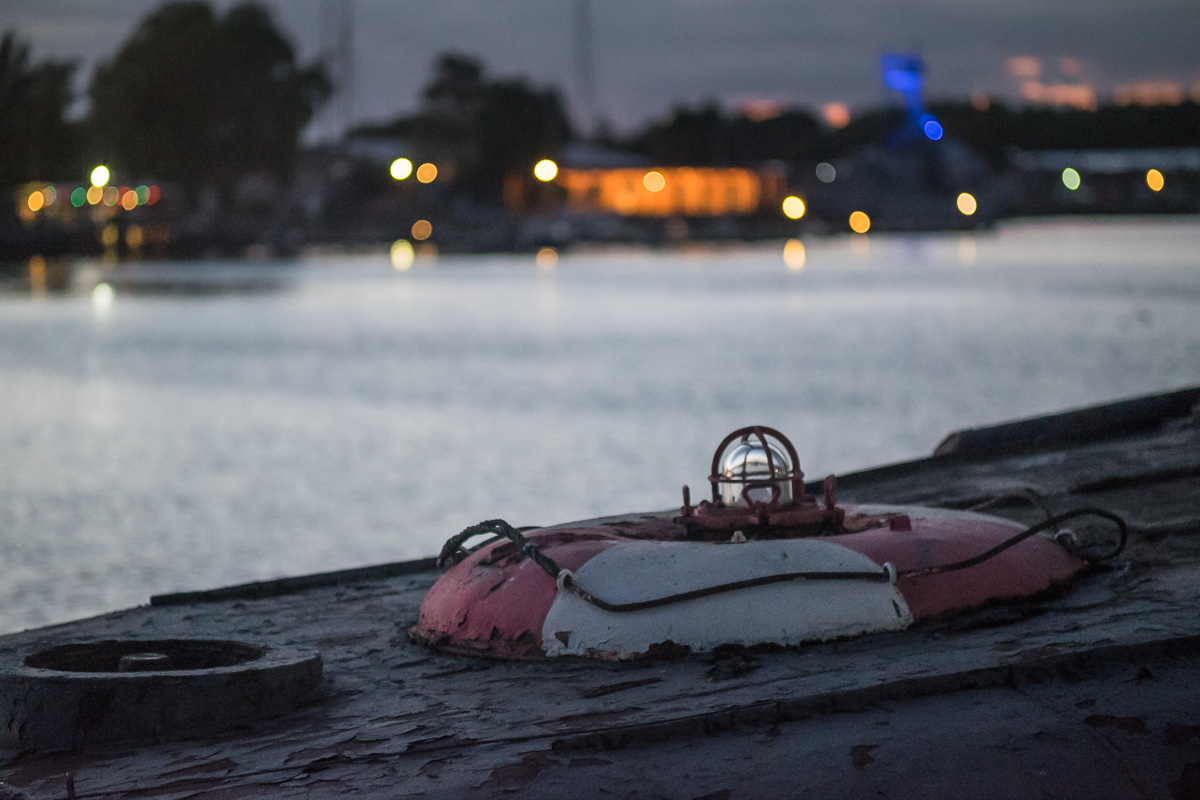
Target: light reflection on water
<point x="357" y="414"/>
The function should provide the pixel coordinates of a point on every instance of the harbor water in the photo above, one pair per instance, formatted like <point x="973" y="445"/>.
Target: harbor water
<point x="210" y="423"/>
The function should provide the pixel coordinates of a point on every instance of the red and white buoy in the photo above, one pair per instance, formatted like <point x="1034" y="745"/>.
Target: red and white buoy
<point x="761" y="562"/>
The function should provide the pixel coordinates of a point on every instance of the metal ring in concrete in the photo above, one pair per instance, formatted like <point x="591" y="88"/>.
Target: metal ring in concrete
<point x="80" y="694"/>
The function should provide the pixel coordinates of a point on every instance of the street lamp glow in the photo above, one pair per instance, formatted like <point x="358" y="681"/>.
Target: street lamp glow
<point x="793" y="207"/>
<point x="545" y="170"/>
<point x="426" y="173"/>
<point x="1154" y="179"/>
<point x="794" y="254"/>
<point x="402" y="254"/>
<point x="860" y="222"/>
<point x="102" y="295"/>
<point x="654" y="181"/>
<point x="100" y="175"/>
<point x="967" y="204"/>
<point x="422" y="229"/>
<point x="1071" y="179"/>
<point x="401" y="168"/>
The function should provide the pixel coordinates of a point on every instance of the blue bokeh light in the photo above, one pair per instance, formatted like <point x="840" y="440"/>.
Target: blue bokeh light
<point x="932" y="128"/>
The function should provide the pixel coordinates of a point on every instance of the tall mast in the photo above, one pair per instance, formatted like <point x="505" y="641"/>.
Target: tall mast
<point x="337" y="51"/>
<point x="585" y="80"/>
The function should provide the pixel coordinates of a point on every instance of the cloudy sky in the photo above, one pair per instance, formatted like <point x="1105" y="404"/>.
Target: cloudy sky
<point x="652" y="54"/>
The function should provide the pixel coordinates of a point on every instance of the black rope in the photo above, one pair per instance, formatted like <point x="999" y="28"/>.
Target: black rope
<point x="1028" y="495"/>
<point x="501" y="528"/>
<point x="1033" y="530"/>
<point x="880" y="576"/>
<point x="885" y="574"/>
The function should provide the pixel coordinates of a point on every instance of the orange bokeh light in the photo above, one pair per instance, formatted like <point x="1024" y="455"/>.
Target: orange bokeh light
<point x="836" y="115"/>
<point x="426" y="173"/>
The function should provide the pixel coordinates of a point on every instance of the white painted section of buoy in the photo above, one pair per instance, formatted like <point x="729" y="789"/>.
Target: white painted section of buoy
<point x="785" y="613"/>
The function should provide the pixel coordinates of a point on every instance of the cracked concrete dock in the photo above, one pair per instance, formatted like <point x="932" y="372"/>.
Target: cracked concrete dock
<point x="1089" y="693"/>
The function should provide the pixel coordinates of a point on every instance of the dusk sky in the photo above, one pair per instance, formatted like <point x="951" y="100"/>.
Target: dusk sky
<point x="652" y="54"/>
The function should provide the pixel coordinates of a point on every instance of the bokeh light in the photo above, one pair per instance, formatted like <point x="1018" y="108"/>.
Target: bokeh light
<point x="654" y="181"/>
<point x="426" y="173"/>
<point x="1154" y="179"/>
<point x="1071" y="179"/>
<point x="933" y="128"/>
<point x="154" y="194"/>
<point x="825" y="172"/>
<point x="545" y="170"/>
<point x="135" y="237"/>
<point x="103" y="295"/>
<point x="836" y="115"/>
<point x="860" y="222"/>
<point x="794" y="254"/>
<point x="78" y="196"/>
<point x="37" y="274"/>
<point x="860" y="246"/>
<point x="547" y="258"/>
<point x="110" y="234"/>
<point x="111" y="195"/>
<point x="129" y="200"/>
<point x="422" y="229"/>
<point x="36" y="200"/>
<point x="967" y="204"/>
<point x="143" y="194"/>
<point x="793" y="207"/>
<point x="967" y="251"/>
<point x="100" y="176"/>
<point x="50" y="195"/>
<point x="401" y="168"/>
<point x="94" y="195"/>
<point x="402" y="254"/>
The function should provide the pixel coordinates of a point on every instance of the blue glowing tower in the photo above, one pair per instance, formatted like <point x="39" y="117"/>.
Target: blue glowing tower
<point x="905" y="73"/>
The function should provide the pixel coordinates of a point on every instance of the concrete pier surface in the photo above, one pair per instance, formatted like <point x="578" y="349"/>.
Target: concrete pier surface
<point x="1089" y="692"/>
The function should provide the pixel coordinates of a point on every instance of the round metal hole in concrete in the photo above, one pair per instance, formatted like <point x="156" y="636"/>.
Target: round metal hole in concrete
<point x="80" y="694"/>
<point x="172" y="654"/>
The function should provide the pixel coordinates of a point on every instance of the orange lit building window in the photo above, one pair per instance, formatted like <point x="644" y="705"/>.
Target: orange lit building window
<point x="686" y="191"/>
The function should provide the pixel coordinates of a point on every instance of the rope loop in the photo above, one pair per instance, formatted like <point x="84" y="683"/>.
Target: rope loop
<point x="452" y="551"/>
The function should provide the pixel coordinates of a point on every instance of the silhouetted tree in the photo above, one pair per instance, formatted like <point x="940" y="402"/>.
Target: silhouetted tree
<point x="707" y="137"/>
<point x="456" y="87"/>
<point x="36" y="142"/>
<point x="793" y="135"/>
<point x="993" y="130"/>
<point x="694" y="137"/>
<point x="488" y="127"/>
<point x="516" y="126"/>
<point x="204" y="99"/>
